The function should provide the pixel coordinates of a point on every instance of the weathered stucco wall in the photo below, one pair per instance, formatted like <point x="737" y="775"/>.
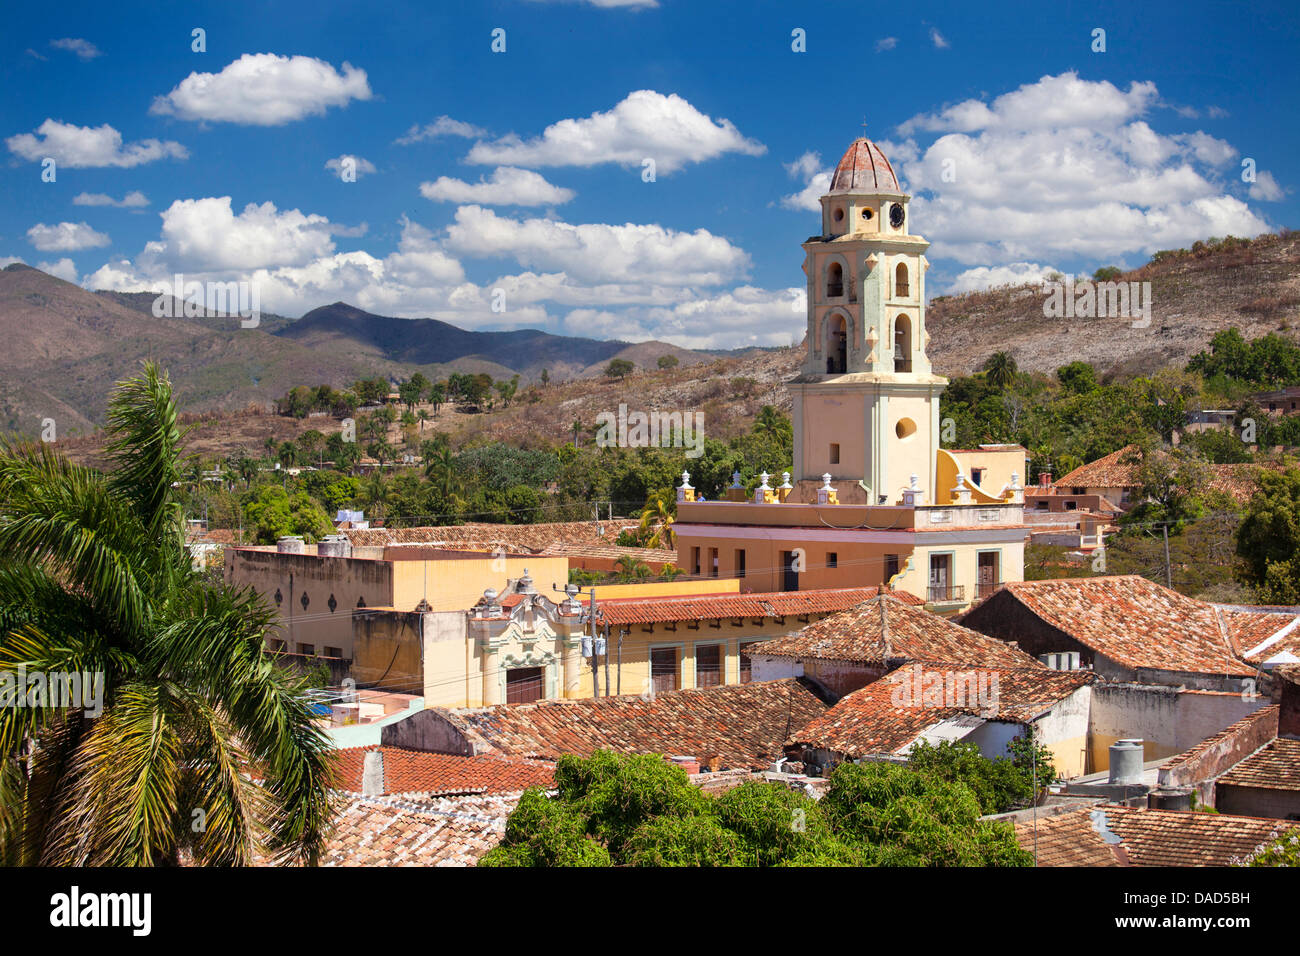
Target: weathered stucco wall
<point x="1168" y="720"/>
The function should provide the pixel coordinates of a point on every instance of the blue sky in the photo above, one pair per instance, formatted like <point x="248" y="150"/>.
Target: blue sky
<point x="1064" y="158"/>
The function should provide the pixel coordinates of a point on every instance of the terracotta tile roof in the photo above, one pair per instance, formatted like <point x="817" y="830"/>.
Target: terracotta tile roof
<point x="744" y="725"/>
<point x="1119" y="470"/>
<point x="1149" y="837"/>
<point x="655" y="557"/>
<point x="529" y="538"/>
<point x="863" y="167"/>
<point x="1060" y="840"/>
<point x="1276" y="767"/>
<point x="891" y="628"/>
<point x="623" y="611"/>
<point x="1111" y="471"/>
<point x="389" y="832"/>
<point x="411" y="772"/>
<point x="1188" y="838"/>
<point x="1249" y="629"/>
<point x="1135" y="622"/>
<point x="887" y="715"/>
<point x="1265" y="637"/>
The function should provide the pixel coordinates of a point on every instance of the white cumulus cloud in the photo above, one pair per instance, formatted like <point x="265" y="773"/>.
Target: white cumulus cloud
<point x="442" y="126"/>
<point x="132" y="200"/>
<point x="65" y="237"/>
<point x="86" y="146"/>
<point x="205" y="235"/>
<point x="263" y="89"/>
<point x="645" y="125"/>
<point x="1065" y="167"/>
<point x="598" y="252"/>
<point x="63" y="269"/>
<point x="359" y="166"/>
<point x="988" y="277"/>
<point x="508" y="186"/>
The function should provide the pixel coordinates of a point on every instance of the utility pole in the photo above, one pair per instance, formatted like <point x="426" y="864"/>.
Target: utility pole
<point x="1169" y="575"/>
<point x="606" y="660"/>
<point x="595" y="658"/>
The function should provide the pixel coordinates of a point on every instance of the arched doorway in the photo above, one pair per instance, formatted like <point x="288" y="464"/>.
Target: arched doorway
<point x="837" y="345"/>
<point x="834" y="281"/>
<point x="902" y="344"/>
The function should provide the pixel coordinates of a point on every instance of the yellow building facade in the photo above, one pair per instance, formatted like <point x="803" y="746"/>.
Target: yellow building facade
<point x="874" y="498"/>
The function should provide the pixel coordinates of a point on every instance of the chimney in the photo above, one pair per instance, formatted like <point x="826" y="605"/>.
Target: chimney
<point x="1044" y="479"/>
<point x="1288" y="713"/>
<point x="372" y="774"/>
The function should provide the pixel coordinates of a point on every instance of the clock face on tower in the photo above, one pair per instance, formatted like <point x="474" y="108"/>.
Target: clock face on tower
<point x="896" y="216"/>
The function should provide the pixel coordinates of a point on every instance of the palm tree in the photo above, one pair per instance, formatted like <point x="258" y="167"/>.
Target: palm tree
<point x="631" y="570"/>
<point x="441" y="466"/>
<point x="247" y="468"/>
<point x="656" y="527"/>
<point x="94" y="578"/>
<point x="1000" y="370"/>
<point x="423" y="415"/>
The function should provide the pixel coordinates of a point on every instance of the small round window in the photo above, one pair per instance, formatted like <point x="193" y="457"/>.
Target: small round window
<point x="839" y="215"/>
<point x="905" y="428"/>
<point x="867" y="214"/>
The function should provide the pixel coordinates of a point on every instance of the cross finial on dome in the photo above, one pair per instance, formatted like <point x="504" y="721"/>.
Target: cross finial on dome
<point x="864" y="126"/>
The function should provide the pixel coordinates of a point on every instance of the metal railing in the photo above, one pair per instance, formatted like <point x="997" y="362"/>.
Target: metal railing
<point x="984" y="588"/>
<point x="945" y="593"/>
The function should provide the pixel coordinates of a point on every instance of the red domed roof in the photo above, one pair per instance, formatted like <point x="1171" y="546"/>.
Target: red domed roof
<point x="864" y="168"/>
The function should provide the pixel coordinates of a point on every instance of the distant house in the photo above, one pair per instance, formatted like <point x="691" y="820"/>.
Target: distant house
<point x="855" y="647"/>
<point x="741" y="726"/>
<point x="347" y="520"/>
<point x="1285" y="401"/>
<point x="933" y="703"/>
<point x="1114" y="477"/>
<point x="1126" y="628"/>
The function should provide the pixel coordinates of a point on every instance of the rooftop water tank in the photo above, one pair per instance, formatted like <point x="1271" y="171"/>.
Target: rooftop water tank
<point x="1126" y="762"/>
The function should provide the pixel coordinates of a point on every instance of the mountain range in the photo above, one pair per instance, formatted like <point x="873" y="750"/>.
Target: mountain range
<point x="66" y="346"/>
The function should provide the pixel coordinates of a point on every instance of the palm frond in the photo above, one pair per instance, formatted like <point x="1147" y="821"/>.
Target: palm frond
<point x="144" y="446"/>
<point x="122" y="806"/>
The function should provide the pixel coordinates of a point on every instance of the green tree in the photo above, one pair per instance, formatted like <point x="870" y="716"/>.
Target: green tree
<point x="1108" y="273"/>
<point x="642" y="811"/>
<point x="1269" y="538"/>
<point x="276" y="513"/>
<point x="668" y="361"/>
<point x="1000" y="370"/>
<point x="94" y="577"/>
<point x="1077" y="377"/>
<point x="619" y="368"/>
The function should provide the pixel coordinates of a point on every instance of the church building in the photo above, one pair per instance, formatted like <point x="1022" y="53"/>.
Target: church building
<point x="874" y="498"/>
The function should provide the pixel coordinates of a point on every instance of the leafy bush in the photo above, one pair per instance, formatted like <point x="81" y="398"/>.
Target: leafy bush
<point x="642" y="811"/>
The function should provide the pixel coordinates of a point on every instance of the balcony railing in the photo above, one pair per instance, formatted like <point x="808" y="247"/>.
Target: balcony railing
<point x="984" y="588"/>
<point x="946" y="593"/>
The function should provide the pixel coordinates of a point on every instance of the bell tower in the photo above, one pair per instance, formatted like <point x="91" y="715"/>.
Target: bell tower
<point x="866" y="406"/>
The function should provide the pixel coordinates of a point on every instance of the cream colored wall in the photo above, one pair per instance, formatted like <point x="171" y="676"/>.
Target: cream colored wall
<point x="458" y="583"/>
<point x="859" y="564"/>
<point x="965" y="566"/>
<point x="999" y="465"/>
<point x="833" y="417"/>
<point x="346" y="579"/>
<point x="910" y="455"/>
<point x="681" y="588"/>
